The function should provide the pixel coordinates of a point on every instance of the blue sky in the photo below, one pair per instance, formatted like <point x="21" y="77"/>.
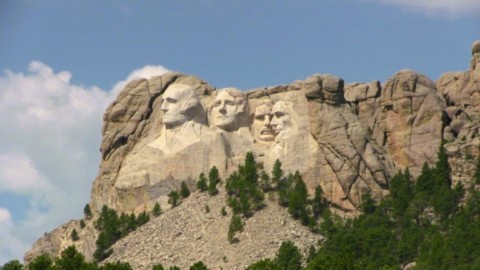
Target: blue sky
<point x="62" y="62"/>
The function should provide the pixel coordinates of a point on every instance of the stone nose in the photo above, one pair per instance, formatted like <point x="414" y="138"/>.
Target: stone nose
<point x="222" y="108"/>
<point x="164" y="106"/>
<point x="267" y="120"/>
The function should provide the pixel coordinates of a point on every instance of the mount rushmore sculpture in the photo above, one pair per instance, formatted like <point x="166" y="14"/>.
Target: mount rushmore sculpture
<point x="171" y="128"/>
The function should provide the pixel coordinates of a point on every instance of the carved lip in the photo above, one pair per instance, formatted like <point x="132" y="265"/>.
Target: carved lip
<point x="266" y="131"/>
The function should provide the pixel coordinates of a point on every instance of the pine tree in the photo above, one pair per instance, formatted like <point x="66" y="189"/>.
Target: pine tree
<point x="250" y="169"/>
<point x="110" y="229"/>
<point x="289" y="257"/>
<point x="158" y="267"/>
<point x="184" y="191"/>
<point x="123" y="223"/>
<point x="368" y="204"/>
<point x="265" y="182"/>
<point x="12" y="265"/>
<point x="115" y="266"/>
<point x="284" y="189"/>
<point x="257" y="197"/>
<point x="245" y="205"/>
<point x="234" y="204"/>
<point x="87" y="212"/>
<point x="312" y="252"/>
<point x="70" y="259"/>
<point x="444" y="199"/>
<point x="401" y="192"/>
<point x="198" y="266"/>
<point x="242" y="188"/>
<point x="277" y="172"/>
<point x="143" y="218"/>
<point x="318" y="203"/>
<point x="477" y="172"/>
<point x="327" y="227"/>
<point x="131" y="222"/>
<point x="442" y="167"/>
<point x="173" y="197"/>
<point x="265" y="264"/>
<point x="298" y="199"/>
<point x="202" y="183"/>
<point x="157" y="210"/>
<point x="235" y="226"/>
<point x="213" y="181"/>
<point x="103" y="248"/>
<point x="42" y="262"/>
<point x="233" y="184"/>
<point x="424" y="186"/>
<point x="82" y="223"/>
<point x="74" y="235"/>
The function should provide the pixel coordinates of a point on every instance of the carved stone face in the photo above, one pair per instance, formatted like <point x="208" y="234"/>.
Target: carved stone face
<point x="282" y="121"/>
<point x="177" y="99"/>
<point x="224" y="111"/>
<point x="262" y="124"/>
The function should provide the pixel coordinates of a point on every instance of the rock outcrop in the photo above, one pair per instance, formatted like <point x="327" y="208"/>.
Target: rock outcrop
<point x="347" y="138"/>
<point x="405" y="117"/>
<point x="462" y="92"/>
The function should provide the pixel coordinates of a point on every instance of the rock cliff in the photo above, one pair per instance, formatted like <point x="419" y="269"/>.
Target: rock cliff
<point x="348" y="138"/>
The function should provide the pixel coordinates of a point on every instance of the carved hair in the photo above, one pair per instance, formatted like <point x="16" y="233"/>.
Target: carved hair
<point x="240" y="99"/>
<point x="267" y="102"/>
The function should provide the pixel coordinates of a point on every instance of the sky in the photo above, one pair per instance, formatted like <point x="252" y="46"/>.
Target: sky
<point x="62" y="62"/>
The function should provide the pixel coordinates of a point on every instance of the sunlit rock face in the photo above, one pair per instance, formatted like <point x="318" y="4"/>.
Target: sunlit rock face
<point x="462" y="118"/>
<point x="169" y="129"/>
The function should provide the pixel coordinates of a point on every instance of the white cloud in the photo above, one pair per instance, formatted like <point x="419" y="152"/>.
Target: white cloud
<point x="5" y="217"/>
<point x="19" y="175"/>
<point x="50" y="133"/>
<point x="10" y="246"/>
<point x="446" y="8"/>
<point x="146" y="72"/>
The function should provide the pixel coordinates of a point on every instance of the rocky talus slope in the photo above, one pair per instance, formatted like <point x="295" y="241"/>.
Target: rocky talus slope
<point x="187" y="234"/>
<point x="349" y="138"/>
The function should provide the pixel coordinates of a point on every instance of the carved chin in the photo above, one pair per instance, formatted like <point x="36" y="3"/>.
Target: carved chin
<point x="173" y="121"/>
<point x="224" y="122"/>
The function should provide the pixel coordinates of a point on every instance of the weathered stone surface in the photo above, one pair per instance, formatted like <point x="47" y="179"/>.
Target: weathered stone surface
<point x="404" y="117"/>
<point x="54" y="242"/>
<point x="462" y="91"/>
<point x="409" y="122"/>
